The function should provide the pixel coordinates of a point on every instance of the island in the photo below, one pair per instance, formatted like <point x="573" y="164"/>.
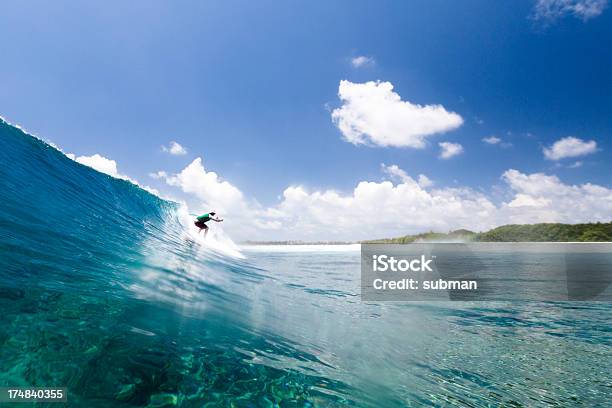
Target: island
<point x="544" y="232"/>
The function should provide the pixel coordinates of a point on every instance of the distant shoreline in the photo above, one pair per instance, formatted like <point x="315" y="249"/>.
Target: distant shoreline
<point x="300" y="242"/>
<point x="543" y="232"/>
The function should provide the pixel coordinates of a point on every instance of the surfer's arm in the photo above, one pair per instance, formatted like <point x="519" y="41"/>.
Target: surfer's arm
<point x="217" y="219"/>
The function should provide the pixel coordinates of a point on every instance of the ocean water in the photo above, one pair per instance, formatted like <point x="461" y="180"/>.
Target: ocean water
<point x="108" y="290"/>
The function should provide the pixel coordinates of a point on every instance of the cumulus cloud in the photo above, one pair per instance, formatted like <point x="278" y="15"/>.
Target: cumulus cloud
<point x="107" y="166"/>
<point x="382" y="209"/>
<point x="372" y="113"/>
<point x="569" y="147"/>
<point x="551" y="10"/>
<point x="207" y="186"/>
<point x="158" y="175"/>
<point x="575" y="165"/>
<point x="379" y="209"/>
<point x="175" y="149"/>
<point x="398" y="174"/>
<point x="205" y="190"/>
<point x="425" y="181"/>
<point x="395" y="172"/>
<point x="449" y="149"/>
<point x="545" y="198"/>
<point x="100" y="163"/>
<point x="362" y="61"/>
<point x="492" y="140"/>
<point x="402" y="205"/>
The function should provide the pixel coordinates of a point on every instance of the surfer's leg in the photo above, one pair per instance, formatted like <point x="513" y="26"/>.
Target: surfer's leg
<point x="205" y="228"/>
<point x="200" y="225"/>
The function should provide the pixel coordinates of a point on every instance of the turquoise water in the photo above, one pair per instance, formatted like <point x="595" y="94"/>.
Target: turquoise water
<point x="104" y="290"/>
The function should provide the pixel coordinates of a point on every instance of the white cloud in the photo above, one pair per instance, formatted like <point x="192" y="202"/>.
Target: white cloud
<point x="362" y="61"/>
<point x="379" y="209"/>
<point x="158" y="175"/>
<point x="391" y="208"/>
<point x="551" y="10"/>
<point x="108" y="166"/>
<point x="371" y="113"/>
<point x="205" y="190"/>
<point x="575" y="165"/>
<point x="425" y="181"/>
<point x="175" y="149"/>
<point x="449" y="149"/>
<point x="523" y="200"/>
<point x="206" y="186"/>
<point x="569" y="147"/>
<point x="100" y="163"/>
<point x="492" y="140"/>
<point x="383" y="209"/>
<point x="543" y="198"/>
<point x="397" y="173"/>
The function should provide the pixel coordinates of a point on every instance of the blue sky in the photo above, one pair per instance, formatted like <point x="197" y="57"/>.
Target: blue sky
<point x="250" y="87"/>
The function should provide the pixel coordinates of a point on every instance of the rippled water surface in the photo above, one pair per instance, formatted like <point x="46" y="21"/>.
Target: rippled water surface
<point x="106" y="290"/>
<point x="292" y="331"/>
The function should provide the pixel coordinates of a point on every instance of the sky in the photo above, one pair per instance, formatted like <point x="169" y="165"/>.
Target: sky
<point x="318" y="120"/>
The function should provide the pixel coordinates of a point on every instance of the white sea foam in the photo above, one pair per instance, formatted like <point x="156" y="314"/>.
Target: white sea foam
<point x="216" y="239"/>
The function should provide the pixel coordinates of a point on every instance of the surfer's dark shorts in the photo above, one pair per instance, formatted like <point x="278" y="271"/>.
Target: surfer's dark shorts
<point x="200" y="224"/>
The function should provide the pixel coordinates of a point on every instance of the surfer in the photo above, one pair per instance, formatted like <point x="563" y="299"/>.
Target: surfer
<point x="201" y="221"/>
